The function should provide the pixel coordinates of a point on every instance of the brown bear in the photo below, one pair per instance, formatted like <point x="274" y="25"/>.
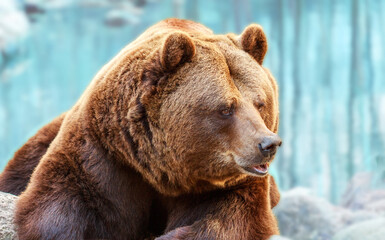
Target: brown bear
<point x="179" y="112"/>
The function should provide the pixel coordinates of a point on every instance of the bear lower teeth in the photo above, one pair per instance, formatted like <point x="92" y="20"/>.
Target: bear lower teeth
<point x="263" y="168"/>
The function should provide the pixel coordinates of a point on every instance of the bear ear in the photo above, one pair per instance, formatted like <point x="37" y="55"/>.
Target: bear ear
<point x="177" y="49"/>
<point x="253" y="41"/>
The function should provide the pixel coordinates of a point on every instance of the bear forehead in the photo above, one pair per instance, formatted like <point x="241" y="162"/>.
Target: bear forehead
<point x="225" y="61"/>
<point x="220" y="74"/>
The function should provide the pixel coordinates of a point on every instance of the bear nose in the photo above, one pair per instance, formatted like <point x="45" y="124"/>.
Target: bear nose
<point x="269" y="145"/>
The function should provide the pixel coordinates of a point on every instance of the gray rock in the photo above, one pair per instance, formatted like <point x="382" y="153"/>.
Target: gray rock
<point x="367" y="230"/>
<point x="348" y="217"/>
<point x="302" y="216"/>
<point x="377" y="206"/>
<point x="359" y="195"/>
<point x="7" y="205"/>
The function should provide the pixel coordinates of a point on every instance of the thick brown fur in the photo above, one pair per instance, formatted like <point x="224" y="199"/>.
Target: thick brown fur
<point x="241" y="212"/>
<point x="150" y="127"/>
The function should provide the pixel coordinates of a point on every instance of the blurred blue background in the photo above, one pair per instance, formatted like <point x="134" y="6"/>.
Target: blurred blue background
<point x="327" y="56"/>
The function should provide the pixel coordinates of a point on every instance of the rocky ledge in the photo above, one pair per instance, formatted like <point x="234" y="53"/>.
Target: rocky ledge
<point x="303" y="216"/>
<point x="7" y="205"/>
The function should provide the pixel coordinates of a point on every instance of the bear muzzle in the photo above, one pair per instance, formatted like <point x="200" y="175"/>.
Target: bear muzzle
<point x="260" y="163"/>
<point x="269" y="144"/>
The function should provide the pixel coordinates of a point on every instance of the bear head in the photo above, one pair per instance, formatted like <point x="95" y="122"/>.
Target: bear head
<point x="191" y="111"/>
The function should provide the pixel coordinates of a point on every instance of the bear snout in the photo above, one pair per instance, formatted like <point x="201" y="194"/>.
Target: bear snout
<point x="269" y="144"/>
<point x="258" y="159"/>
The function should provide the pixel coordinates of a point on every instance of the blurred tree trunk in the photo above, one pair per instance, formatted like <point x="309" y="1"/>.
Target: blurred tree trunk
<point x="352" y="90"/>
<point x="280" y="16"/>
<point x="375" y="141"/>
<point x="296" y="105"/>
<point x="178" y="8"/>
<point x="237" y="16"/>
<point x="192" y="7"/>
<point x="326" y="53"/>
<point x="5" y="86"/>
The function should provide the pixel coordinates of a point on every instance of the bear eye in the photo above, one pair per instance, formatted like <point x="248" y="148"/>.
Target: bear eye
<point x="227" y="111"/>
<point x="259" y="105"/>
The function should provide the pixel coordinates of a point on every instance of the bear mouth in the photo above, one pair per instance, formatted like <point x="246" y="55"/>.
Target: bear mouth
<point x="260" y="169"/>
